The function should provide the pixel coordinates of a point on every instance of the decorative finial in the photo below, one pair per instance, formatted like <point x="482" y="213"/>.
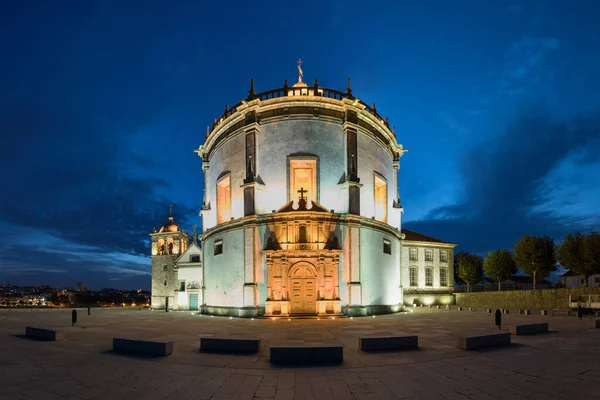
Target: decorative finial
<point x="226" y="107"/>
<point x="300" y="73"/>
<point x="194" y="226"/>
<point x="207" y="130"/>
<point x="170" y="210"/>
<point x="393" y="129"/>
<point x="251" y="92"/>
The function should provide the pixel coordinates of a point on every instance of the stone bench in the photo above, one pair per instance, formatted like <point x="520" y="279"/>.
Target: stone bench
<point x="229" y="345"/>
<point x="306" y="353"/>
<point x="483" y="339"/>
<point x="44" y="334"/>
<point x="147" y="347"/>
<point x="528" y="329"/>
<point x="378" y="343"/>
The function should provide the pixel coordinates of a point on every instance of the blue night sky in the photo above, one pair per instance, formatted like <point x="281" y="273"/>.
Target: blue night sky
<point x="103" y="102"/>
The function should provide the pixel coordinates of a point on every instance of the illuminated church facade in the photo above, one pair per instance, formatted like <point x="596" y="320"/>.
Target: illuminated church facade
<point x="301" y="216"/>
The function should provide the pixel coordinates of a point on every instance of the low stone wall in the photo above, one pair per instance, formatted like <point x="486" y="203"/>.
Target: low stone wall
<point x="551" y="299"/>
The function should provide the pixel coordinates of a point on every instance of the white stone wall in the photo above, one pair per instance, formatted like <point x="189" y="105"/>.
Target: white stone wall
<point x="224" y="273"/>
<point x="421" y="264"/>
<point x="373" y="158"/>
<point x="277" y="140"/>
<point x="379" y="272"/>
<point x="188" y="274"/>
<point x="228" y="157"/>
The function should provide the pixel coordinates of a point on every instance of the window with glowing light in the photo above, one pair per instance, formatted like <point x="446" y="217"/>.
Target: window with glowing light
<point x="413" y="255"/>
<point x="413" y="276"/>
<point x="443" y="277"/>
<point x="380" y="193"/>
<point x="428" y="276"/>
<point x="224" y="199"/>
<point x="428" y="255"/>
<point x="443" y="256"/>
<point x="303" y="176"/>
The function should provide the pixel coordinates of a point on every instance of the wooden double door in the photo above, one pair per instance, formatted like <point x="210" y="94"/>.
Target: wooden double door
<point x="303" y="284"/>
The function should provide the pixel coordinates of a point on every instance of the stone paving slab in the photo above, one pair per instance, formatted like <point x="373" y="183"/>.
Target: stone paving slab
<point x="563" y="364"/>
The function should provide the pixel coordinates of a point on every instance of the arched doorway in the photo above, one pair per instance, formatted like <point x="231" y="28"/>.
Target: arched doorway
<point x="303" y="288"/>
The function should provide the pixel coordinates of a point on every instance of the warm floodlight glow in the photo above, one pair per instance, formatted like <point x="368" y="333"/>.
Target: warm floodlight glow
<point x="303" y="175"/>
<point x="380" y="194"/>
<point x="429" y="300"/>
<point x="224" y="199"/>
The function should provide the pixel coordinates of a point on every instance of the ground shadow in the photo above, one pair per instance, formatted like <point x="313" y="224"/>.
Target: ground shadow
<point x="391" y="351"/>
<point x="503" y="347"/>
<point x="229" y="352"/>
<point x="36" y="339"/>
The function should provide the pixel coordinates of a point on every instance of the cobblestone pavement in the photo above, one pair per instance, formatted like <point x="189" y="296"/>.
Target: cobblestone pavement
<point x="563" y="364"/>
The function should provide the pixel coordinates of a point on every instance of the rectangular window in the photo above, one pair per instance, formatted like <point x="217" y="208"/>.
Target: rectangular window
<point x="165" y="268"/>
<point x="413" y="255"/>
<point x="182" y="286"/>
<point x="387" y="246"/>
<point x="195" y="259"/>
<point x="443" y="256"/>
<point x="224" y="199"/>
<point x="303" y="177"/>
<point x="218" y="247"/>
<point x="428" y="276"/>
<point x="380" y="194"/>
<point x="413" y="276"/>
<point x="428" y="255"/>
<point x="443" y="277"/>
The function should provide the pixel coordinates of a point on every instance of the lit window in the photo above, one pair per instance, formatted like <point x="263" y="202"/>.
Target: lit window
<point x="224" y="199"/>
<point x="443" y="277"/>
<point x="195" y="259"/>
<point x="380" y="192"/>
<point x="303" y="176"/>
<point x="428" y="255"/>
<point x="165" y="268"/>
<point x="218" y="247"/>
<point x="443" y="256"/>
<point x="428" y="276"/>
<point x="387" y="246"/>
<point x="413" y="255"/>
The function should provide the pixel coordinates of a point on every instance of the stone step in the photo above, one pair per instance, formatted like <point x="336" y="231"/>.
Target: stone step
<point x="230" y="345"/>
<point x="44" y="334"/>
<point x="146" y="347"/>
<point x="306" y="353"/>
<point x="380" y="343"/>
<point x="483" y="340"/>
<point x="528" y="329"/>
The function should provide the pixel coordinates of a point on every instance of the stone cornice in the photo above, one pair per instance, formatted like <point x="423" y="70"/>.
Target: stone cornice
<point x="417" y="243"/>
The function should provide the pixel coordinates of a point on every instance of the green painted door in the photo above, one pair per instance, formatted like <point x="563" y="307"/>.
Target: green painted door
<point x="193" y="301"/>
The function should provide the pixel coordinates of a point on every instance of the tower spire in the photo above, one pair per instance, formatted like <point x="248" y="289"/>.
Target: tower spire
<point x="300" y="72"/>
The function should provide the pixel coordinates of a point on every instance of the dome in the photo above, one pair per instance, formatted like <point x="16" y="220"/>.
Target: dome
<point x="170" y="226"/>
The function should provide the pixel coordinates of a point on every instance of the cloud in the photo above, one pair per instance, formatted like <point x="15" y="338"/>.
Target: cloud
<point x="452" y="123"/>
<point x="507" y="193"/>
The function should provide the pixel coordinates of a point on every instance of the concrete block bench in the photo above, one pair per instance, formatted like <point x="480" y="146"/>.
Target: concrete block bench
<point x="597" y="323"/>
<point x="306" y="353"/>
<point x="528" y="329"/>
<point x="44" y="334"/>
<point x="483" y="340"/>
<point x="229" y="345"/>
<point x="146" y="347"/>
<point x="379" y="343"/>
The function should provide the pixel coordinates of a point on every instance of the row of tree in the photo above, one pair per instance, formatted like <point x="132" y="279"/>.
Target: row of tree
<point x="536" y="256"/>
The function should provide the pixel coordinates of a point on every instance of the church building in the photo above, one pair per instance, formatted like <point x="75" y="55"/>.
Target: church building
<point x="301" y="215"/>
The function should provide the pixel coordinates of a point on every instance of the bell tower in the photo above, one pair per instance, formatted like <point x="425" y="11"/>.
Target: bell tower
<point x="167" y="245"/>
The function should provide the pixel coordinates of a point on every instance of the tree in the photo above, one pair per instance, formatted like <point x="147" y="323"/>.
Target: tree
<point x="591" y="252"/>
<point x="470" y="268"/>
<point x="535" y="255"/>
<point x="457" y="278"/>
<point x="500" y="265"/>
<point x="570" y="254"/>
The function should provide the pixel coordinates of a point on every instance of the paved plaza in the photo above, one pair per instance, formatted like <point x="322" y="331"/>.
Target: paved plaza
<point x="562" y="364"/>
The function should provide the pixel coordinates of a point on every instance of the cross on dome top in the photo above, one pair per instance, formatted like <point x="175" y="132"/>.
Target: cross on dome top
<point x="300" y="72"/>
<point x="302" y="191"/>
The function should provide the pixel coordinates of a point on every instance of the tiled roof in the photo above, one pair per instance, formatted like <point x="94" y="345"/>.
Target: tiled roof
<point x="418" y="237"/>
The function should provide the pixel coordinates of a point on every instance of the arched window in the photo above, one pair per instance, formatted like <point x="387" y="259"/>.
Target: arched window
<point x="443" y="276"/>
<point x="413" y="276"/>
<point x="380" y="197"/>
<point x="302" y="234"/>
<point x="224" y="199"/>
<point x="428" y="276"/>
